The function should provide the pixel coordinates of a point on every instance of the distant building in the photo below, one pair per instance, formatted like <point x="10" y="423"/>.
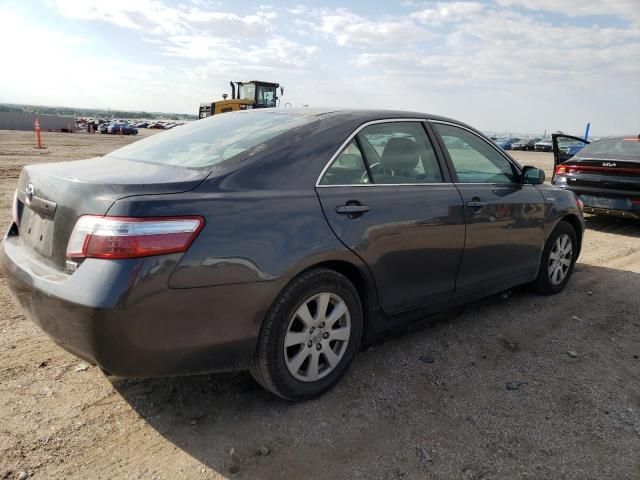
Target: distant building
<point x="24" y="121"/>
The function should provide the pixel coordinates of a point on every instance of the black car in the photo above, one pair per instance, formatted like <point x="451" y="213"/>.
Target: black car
<point x="604" y="174"/>
<point x="276" y="240"/>
<point x="525" y="145"/>
<point x="122" y="129"/>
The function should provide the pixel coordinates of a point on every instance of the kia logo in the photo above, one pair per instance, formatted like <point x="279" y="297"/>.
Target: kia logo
<point x="607" y="164"/>
<point x="30" y="191"/>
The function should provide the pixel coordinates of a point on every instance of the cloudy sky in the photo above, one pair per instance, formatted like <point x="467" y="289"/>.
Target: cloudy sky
<point x="518" y="65"/>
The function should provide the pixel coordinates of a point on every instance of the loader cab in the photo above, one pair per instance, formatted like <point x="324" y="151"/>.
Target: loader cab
<point x="263" y="94"/>
<point x="244" y="96"/>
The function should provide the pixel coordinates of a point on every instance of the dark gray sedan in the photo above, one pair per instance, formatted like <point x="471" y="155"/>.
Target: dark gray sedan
<point x="276" y="240"/>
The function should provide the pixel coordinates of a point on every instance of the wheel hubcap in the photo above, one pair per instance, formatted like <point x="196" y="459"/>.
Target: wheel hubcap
<point x="317" y="337"/>
<point x="560" y="259"/>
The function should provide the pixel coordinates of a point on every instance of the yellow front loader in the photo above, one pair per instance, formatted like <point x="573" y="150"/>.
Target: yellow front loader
<point x="244" y="96"/>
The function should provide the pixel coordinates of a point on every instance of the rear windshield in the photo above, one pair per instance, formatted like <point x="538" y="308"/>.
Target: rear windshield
<point x="615" y="146"/>
<point x="206" y="142"/>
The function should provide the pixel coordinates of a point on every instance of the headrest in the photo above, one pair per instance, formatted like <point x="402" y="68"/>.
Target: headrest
<point x="400" y="154"/>
<point x="350" y="160"/>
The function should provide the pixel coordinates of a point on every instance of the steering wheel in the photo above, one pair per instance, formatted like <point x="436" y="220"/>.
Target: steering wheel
<point x="374" y="168"/>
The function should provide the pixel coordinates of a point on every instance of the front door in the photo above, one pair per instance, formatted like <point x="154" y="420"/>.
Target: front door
<point x="387" y="199"/>
<point x="565" y="146"/>
<point x="505" y="218"/>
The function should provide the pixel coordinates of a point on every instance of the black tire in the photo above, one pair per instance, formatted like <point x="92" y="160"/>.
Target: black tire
<point x="268" y="366"/>
<point x="544" y="283"/>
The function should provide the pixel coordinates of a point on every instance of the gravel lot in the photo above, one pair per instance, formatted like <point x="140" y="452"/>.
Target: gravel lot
<point x="514" y="386"/>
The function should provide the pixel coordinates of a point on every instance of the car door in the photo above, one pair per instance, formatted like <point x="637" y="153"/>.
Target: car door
<point x="388" y="199"/>
<point x="504" y="218"/>
<point x="565" y="146"/>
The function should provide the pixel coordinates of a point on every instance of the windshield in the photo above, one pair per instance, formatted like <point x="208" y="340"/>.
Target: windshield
<point x="206" y="142"/>
<point x="617" y="146"/>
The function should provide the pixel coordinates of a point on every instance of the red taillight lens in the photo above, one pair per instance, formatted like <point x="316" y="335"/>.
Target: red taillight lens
<point x="565" y="169"/>
<point x="129" y="237"/>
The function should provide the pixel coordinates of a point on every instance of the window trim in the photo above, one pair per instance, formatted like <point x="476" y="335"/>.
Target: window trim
<point x="355" y="133"/>
<point x="454" y="173"/>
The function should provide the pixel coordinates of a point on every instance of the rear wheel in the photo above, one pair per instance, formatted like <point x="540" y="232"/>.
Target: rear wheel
<point x="309" y="337"/>
<point x="558" y="260"/>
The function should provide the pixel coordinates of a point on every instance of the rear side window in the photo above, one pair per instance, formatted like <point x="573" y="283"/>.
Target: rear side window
<point x="347" y="169"/>
<point x="209" y="141"/>
<point x="474" y="159"/>
<point x="400" y="152"/>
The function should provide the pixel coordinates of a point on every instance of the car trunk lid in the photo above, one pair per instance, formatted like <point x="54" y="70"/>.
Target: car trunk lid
<point x="602" y="174"/>
<point x="51" y="197"/>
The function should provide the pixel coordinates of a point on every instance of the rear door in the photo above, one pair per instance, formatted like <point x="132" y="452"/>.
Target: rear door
<point x="565" y="147"/>
<point x="388" y="199"/>
<point x="504" y="217"/>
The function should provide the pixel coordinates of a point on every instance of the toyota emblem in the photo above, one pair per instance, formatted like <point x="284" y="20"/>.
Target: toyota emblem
<point x="30" y="191"/>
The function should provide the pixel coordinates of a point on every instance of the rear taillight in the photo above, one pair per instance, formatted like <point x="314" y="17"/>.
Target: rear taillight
<point x="131" y="237"/>
<point x="565" y="169"/>
<point x="560" y="170"/>
<point x="580" y="204"/>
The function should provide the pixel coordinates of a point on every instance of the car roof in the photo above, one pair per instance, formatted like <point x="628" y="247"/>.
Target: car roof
<point x="333" y="114"/>
<point x="362" y="113"/>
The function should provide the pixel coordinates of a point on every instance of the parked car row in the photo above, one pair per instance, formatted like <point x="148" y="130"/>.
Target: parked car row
<point x="90" y="124"/>
<point x="536" y="144"/>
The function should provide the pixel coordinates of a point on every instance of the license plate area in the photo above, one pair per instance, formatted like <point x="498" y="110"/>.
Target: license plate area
<point x="36" y="231"/>
<point x="604" y="202"/>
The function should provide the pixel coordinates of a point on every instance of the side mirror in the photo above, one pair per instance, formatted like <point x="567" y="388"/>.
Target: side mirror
<point x="532" y="176"/>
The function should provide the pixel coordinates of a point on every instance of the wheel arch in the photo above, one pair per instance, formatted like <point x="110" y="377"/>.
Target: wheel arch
<point x="361" y="280"/>
<point x="574" y="221"/>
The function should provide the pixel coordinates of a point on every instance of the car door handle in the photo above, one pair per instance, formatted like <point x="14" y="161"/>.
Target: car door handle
<point x="476" y="204"/>
<point x="352" y="209"/>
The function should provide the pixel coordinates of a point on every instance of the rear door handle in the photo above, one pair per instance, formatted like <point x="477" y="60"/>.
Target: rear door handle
<point x="352" y="209"/>
<point x="476" y="204"/>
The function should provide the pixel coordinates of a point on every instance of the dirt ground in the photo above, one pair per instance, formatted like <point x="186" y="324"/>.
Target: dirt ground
<point x="514" y="386"/>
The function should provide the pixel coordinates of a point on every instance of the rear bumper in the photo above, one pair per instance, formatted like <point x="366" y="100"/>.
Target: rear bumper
<point x="613" y="203"/>
<point x="613" y="213"/>
<point x="122" y="316"/>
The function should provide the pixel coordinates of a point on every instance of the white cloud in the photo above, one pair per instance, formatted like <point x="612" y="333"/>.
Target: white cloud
<point x="448" y="11"/>
<point x="576" y="8"/>
<point x="348" y="29"/>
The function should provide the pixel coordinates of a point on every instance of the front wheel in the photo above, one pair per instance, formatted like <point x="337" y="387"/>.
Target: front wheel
<point x="558" y="260"/>
<point x="309" y="336"/>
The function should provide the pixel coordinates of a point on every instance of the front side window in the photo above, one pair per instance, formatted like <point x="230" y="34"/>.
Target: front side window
<point x="400" y="152"/>
<point x="347" y="169"/>
<point x="474" y="159"/>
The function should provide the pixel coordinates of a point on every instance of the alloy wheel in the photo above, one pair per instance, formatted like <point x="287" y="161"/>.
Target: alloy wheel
<point x="560" y="259"/>
<point x="317" y="337"/>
